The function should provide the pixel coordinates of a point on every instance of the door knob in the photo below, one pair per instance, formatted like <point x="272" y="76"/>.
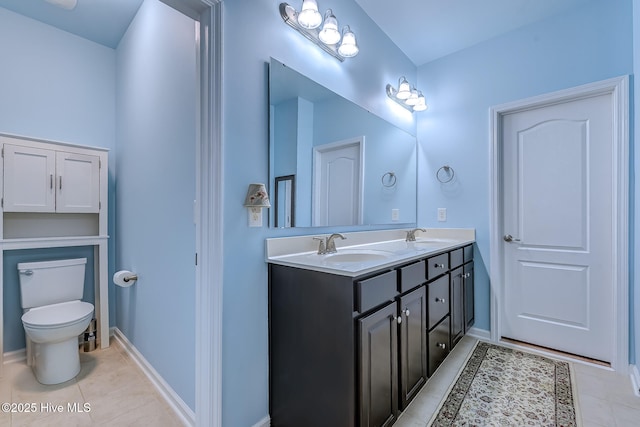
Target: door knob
<point x="510" y="238"/>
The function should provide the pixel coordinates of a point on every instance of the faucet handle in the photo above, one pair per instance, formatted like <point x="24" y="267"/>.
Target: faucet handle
<point x="321" y="248"/>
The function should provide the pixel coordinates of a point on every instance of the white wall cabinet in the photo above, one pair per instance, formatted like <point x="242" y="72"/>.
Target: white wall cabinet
<point x="55" y="195"/>
<point x="44" y="180"/>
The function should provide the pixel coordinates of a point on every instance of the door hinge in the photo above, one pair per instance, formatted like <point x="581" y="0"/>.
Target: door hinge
<point x="2" y="202"/>
<point x="196" y="258"/>
<point x="2" y="151"/>
<point x="99" y="164"/>
<point x="99" y="205"/>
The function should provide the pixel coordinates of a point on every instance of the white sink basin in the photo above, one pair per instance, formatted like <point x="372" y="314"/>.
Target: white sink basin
<point x="357" y="256"/>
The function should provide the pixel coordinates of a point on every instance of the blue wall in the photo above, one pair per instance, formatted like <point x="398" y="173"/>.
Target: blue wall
<point x="156" y="131"/>
<point x="54" y="86"/>
<point x="565" y="51"/>
<point x="246" y="153"/>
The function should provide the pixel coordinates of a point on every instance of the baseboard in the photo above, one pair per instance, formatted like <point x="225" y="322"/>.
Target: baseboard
<point x="186" y="415"/>
<point x="265" y="422"/>
<point x="481" y="334"/>
<point x="634" y="373"/>
<point x="14" y="356"/>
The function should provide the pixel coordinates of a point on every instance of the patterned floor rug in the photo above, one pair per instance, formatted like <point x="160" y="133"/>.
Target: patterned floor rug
<point x="500" y="386"/>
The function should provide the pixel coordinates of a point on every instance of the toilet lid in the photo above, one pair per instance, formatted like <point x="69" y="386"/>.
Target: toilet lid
<point x="57" y="314"/>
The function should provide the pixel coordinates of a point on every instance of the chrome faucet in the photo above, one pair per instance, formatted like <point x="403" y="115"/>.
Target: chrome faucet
<point x="328" y="245"/>
<point x="331" y="245"/>
<point x="411" y="234"/>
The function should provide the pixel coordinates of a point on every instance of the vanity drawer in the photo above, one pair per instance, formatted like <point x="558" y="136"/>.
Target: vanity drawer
<point x="412" y="275"/>
<point x="375" y="291"/>
<point x="456" y="258"/>
<point x="437" y="265"/>
<point x="438" y="345"/>
<point x="468" y="253"/>
<point x="438" y="300"/>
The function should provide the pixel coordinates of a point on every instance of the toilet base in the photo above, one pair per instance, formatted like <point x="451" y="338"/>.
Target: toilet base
<point x="57" y="362"/>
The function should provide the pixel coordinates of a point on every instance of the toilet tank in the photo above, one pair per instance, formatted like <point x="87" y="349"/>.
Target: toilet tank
<point x="51" y="282"/>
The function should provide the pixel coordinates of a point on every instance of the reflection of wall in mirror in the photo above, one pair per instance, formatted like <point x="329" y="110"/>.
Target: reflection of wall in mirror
<point x="300" y="123"/>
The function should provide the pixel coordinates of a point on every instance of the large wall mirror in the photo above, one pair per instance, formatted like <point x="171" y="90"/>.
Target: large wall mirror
<point x="333" y="162"/>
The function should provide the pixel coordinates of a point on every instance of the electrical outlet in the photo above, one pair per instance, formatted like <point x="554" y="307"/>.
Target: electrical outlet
<point x="442" y="214"/>
<point x="395" y="214"/>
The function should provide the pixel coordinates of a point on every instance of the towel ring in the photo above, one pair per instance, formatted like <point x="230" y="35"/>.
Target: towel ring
<point x="391" y="181"/>
<point x="448" y="170"/>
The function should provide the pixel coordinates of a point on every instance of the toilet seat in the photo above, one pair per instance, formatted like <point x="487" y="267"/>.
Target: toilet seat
<point x="57" y="315"/>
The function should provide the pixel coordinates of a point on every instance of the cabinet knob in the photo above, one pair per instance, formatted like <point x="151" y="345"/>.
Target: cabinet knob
<point x="438" y="265"/>
<point x="442" y="300"/>
<point x="406" y="312"/>
<point x="397" y="319"/>
<point x="441" y="345"/>
<point x="466" y="275"/>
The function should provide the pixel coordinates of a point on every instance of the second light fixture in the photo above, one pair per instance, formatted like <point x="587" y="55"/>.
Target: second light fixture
<point x="409" y="97"/>
<point x="323" y="32"/>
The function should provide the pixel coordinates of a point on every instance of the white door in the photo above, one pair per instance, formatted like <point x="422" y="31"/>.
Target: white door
<point x="558" y="221"/>
<point x="78" y="186"/>
<point x="337" y="195"/>
<point x="29" y="179"/>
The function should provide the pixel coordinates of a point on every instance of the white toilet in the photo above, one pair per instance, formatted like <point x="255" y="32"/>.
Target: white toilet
<point x="54" y="316"/>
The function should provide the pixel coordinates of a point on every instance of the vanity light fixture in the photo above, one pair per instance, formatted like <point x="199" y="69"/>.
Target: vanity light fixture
<point x="308" y="22"/>
<point x="408" y="97"/>
<point x="256" y="199"/>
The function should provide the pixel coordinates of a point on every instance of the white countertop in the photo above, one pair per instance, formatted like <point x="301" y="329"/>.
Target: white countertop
<point x="364" y="251"/>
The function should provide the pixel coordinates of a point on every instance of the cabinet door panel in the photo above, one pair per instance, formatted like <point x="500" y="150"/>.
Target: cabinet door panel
<point x="457" y="305"/>
<point x="469" y="316"/>
<point x="29" y="175"/>
<point x="438" y="345"/>
<point x="413" y="344"/>
<point x="438" y="300"/>
<point x="379" y="367"/>
<point x="78" y="186"/>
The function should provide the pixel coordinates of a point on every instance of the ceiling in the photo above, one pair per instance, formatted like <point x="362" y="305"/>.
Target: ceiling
<point x="102" y="21"/>
<point x="429" y="29"/>
<point x="423" y="29"/>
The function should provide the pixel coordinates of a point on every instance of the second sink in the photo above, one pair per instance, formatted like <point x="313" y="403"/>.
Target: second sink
<point x="357" y="256"/>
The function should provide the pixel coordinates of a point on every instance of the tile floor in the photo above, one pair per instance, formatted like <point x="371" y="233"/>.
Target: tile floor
<point x="118" y="394"/>
<point x="604" y="398"/>
<point x="109" y="391"/>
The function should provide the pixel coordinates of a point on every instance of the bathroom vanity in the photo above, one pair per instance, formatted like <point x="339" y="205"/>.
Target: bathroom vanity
<point x="355" y="335"/>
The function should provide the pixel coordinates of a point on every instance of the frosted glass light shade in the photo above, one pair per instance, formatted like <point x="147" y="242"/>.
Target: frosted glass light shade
<point x="330" y="34"/>
<point x="348" y="48"/>
<point x="413" y="99"/>
<point x="404" y="90"/>
<point x="421" y="104"/>
<point x="309" y="17"/>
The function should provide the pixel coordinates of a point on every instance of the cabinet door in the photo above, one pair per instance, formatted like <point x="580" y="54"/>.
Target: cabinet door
<point x="78" y="183"/>
<point x="438" y="344"/>
<point x="378" y="356"/>
<point x="469" y="317"/>
<point x="413" y="344"/>
<point x="29" y="175"/>
<point x="457" y="305"/>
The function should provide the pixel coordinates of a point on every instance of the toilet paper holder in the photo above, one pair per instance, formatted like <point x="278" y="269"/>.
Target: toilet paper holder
<point x="125" y="278"/>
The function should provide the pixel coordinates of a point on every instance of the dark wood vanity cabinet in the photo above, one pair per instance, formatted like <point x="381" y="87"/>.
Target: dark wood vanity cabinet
<point x="350" y="352"/>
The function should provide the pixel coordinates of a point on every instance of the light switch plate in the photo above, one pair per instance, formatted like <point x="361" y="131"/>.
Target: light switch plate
<point x="395" y="214"/>
<point x="442" y="214"/>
